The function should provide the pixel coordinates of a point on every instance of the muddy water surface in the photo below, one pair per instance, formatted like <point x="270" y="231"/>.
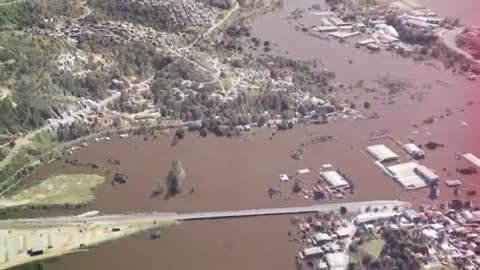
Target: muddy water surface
<point x="236" y="173"/>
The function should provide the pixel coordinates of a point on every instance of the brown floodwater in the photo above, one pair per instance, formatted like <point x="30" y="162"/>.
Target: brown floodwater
<point x="236" y="173"/>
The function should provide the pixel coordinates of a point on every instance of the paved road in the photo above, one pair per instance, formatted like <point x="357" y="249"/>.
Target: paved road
<point x="216" y="25"/>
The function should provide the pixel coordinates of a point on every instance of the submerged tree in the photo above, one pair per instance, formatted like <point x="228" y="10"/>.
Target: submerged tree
<point x="176" y="178"/>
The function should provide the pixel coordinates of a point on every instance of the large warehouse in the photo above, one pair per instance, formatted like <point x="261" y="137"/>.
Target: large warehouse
<point x="428" y="175"/>
<point x="407" y="177"/>
<point x="414" y="151"/>
<point x="334" y="179"/>
<point x="381" y="153"/>
<point x="472" y="159"/>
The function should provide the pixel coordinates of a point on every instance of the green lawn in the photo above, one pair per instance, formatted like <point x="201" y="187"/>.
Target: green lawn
<point x="71" y="189"/>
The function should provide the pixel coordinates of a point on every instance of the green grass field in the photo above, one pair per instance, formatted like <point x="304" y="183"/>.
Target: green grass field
<point x="71" y="189"/>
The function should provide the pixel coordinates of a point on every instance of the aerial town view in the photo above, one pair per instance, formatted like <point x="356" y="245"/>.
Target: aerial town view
<point x="240" y="134"/>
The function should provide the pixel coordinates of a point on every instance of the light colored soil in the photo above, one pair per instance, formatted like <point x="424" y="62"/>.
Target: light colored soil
<point x="58" y="190"/>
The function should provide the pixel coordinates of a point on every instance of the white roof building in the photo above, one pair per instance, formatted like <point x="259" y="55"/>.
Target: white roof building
<point x="372" y="216"/>
<point x="472" y="159"/>
<point x="381" y="153"/>
<point x="453" y="183"/>
<point x="364" y="42"/>
<point x="390" y="30"/>
<point x="334" y="179"/>
<point x="414" y="151"/>
<point x="337" y="260"/>
<point x="343" y="35"/>
<point x="325" y="28"/>
<point x="303" y="171"/>
<point x="322" y="237"/>
<point x="405" y="174"/>
<point x="428" y="175"/>
<point x="311" y="252"/>
<point x="338" y="22"/>
<point x="325" y="21"/>
<point x="38" y="241"/>
<point x="321" y="265"/>
<point x="410" y="214"/>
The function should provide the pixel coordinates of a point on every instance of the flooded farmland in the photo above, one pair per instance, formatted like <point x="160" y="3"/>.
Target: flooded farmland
<point x="236" y="173"/>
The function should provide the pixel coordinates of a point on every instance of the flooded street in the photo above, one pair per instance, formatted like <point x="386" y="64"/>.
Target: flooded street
<point x="231" y="174"/>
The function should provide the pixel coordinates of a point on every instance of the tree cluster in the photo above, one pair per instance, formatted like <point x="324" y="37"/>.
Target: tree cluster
<point x="411" y="35"/>
<point x="72" y="131"/>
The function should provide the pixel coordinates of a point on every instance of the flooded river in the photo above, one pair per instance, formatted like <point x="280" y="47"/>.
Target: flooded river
<point x="236" y="173"/>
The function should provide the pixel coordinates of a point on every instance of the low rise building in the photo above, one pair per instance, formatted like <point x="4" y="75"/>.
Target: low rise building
<point x="472" y="159"/>
<point x="407" y="177"/>
<point x="382" y="153"/>
<point x="334" y="179"/>
<point x="311" y="252"/>
<point x="414" y="151"/>
<point x="428" y="175"/>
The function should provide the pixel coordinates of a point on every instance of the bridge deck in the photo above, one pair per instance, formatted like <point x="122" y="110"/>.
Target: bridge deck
<point x="320" y="208"/>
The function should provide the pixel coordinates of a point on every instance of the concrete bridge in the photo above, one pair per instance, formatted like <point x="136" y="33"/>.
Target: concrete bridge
<point x="351" y="207"/>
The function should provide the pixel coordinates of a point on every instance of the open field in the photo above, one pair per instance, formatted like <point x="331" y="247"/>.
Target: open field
<point x="70" y="189"/>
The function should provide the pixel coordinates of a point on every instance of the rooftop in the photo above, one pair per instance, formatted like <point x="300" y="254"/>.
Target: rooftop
<point x="334" y="179"/>
<point x="381" y="153"/>
<point x="405" y="174"/>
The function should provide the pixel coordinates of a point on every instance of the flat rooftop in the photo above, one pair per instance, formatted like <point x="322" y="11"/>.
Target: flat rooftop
<point x="334" y="179"/>
<point x="472" y="159"/>
<point x="407" y="177"/>
<point x="382" y="153"/>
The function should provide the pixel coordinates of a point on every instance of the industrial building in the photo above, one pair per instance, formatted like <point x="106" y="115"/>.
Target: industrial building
<point x="414" y="151"/>
<point x="338" y="22"/>
<point x="426" y="174"/>
<point x="311" y="252"/>
<point x="337" y="260"/>
<point x="407" y="177"/>
<point x="453" y="183"/>
<point x="382" y="153"/>
<point x="321" y="238"/>
<point x="472" y="159"/>
<point x="334" y="179"/>
<point x="303" y="171"/>
<point x="325" y="28"/>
